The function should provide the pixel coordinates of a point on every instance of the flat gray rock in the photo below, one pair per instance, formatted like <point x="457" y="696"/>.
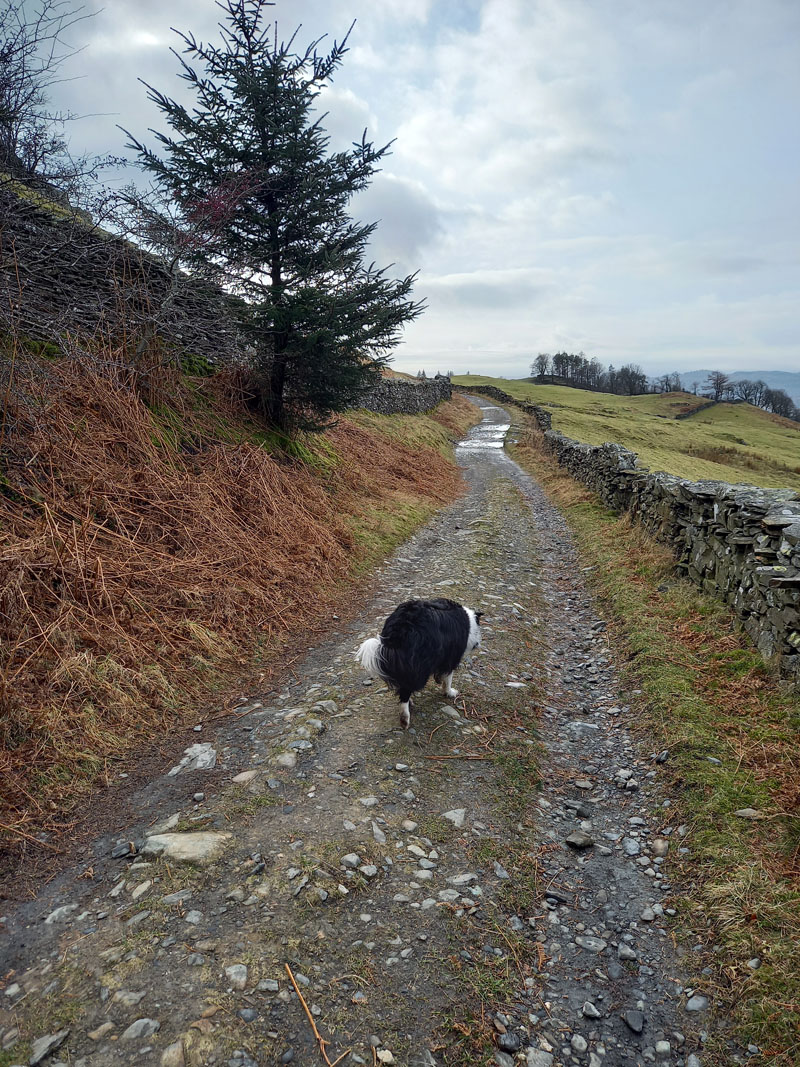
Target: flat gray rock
<point x="456" y="816"/>
<point x="200" y="757"/>
<point x="199" y="849"/>
<point x="43" y="1046"/>
<point x="245" y="777"/>
<point x="129" y="999"/>
<point x="141" y="1028"/>
<point x="538" y="1058"/>
<point x="237" y="975"/>
<point x="697" y="1003"/>
<point x="580" y="840"/>
<point x="634" y="1020"/>
<point x="590" y="943"/>
<point x="62" y="914"/>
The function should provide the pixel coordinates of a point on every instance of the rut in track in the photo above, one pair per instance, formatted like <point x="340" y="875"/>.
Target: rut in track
<point x="492" y="886"/>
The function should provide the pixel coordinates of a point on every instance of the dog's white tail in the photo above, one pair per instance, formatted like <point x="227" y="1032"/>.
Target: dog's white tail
<point x="367" y="655"/>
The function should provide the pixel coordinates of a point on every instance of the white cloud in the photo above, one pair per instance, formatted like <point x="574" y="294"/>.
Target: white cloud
<point x="408" y="220"/>
<point x="347" y="117"/>
<point x="413" y="10"/>
<point x="621" y="178"/>
<point x="498" y="114"/>
<point x="482" y="289"/>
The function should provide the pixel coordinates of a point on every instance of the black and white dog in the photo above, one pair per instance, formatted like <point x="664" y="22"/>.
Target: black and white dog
<point x="419" y="639"/>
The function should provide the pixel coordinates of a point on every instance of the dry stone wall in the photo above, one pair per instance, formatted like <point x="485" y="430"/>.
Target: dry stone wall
<point x="398" y="396"/>
<point x="60" y="274"/>
<point x="739" y="542"/>
<point x="703" y="407"/>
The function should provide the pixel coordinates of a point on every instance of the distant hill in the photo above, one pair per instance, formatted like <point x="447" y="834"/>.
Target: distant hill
<point x="789" y="381"/>
<point x="726" y="442"/>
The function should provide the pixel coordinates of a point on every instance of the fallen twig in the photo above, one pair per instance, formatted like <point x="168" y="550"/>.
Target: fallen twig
<point x="489" y="739"/>
<point x="441" y="724"/>
<point x="466" y="755"/>
<point x="33" y="840"/>
<point x="320" y="1039"/>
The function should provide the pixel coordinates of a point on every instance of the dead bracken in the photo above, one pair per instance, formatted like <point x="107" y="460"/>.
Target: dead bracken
<point x="149" y="548"/>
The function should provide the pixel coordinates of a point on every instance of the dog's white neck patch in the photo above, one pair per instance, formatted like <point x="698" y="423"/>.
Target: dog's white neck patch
<point x="474" y="638"/>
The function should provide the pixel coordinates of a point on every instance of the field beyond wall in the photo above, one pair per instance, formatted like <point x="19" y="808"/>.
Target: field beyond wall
<point x="726" y="443"/>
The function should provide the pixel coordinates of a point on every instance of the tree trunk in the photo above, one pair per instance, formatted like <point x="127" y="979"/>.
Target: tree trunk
<point x="280" y="339"/>
<point x="277" y="384"/>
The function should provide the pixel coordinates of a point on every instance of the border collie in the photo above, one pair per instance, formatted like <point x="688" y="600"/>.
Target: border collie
<point x="419" y="639"/>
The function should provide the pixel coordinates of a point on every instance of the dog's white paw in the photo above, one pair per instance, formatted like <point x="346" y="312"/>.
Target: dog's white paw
<point x="452" y="693"/>
<point x="405" y="717"/>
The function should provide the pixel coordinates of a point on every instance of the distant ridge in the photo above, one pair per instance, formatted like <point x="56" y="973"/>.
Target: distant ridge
<point x="789" y="381"/>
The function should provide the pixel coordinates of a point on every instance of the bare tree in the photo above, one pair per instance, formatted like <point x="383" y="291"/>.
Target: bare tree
<point x="719" y="384"/>
<point x="664" y="383"/>
<point x="752" y="392"/>
<point x="541" y="365"/>
<point x="779" y="402"/>
<point x="33" y="144"/>
<point x="745" y="390"/>
<point x="759" y="392"/>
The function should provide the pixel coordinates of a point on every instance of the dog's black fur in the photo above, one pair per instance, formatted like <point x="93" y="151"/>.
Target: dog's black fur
<point x="421" y="639"/>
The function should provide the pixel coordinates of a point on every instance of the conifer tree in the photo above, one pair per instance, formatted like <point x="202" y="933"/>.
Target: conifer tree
<point x="251" y="160"/>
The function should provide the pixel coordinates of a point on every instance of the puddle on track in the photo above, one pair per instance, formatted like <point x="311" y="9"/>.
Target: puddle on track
<point x="487" y="434"/>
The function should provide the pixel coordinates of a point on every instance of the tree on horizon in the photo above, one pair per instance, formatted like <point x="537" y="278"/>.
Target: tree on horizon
<point x="719" y="383"/>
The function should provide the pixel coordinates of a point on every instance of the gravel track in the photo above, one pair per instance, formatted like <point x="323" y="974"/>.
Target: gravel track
<point x="491" y="886"/>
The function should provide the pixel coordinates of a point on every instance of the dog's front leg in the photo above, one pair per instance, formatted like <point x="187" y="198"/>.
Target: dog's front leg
<point x="447" y="686"/>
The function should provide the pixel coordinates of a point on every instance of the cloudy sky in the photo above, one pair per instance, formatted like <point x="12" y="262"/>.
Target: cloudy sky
<point x="621" y="178"/>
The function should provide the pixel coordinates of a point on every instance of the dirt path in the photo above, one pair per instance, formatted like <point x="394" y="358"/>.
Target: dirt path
<point x="490" y="887"/>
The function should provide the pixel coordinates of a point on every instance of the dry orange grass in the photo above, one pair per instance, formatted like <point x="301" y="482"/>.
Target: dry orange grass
<point x="144" y="555"/>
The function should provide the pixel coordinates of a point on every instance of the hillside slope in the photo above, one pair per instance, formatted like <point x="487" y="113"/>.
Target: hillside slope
<point x="147" y="551"/>
<point x="728" y="442"/>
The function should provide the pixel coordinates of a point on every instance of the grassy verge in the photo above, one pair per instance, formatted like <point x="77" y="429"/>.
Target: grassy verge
<point x="151" y="552"/>
<point x="732" y="737"/>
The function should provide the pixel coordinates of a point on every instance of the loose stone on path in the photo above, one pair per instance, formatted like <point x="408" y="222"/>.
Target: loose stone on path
<point x="456" y="816"/>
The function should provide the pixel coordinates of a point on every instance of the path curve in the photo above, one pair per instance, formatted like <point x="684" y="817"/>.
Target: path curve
<point x="435" y="898"/>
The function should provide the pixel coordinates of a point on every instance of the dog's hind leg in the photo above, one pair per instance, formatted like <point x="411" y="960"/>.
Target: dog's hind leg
<point x="405" y="708"/>
<point x="447" y="686"/>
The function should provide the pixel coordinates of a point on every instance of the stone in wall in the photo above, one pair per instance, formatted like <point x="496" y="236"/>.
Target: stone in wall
<point x="399" y="396"/>
<point x="60" y="274"/>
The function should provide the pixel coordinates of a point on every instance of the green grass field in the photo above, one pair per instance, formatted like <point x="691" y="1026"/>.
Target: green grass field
<point x="728" y="443"/>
